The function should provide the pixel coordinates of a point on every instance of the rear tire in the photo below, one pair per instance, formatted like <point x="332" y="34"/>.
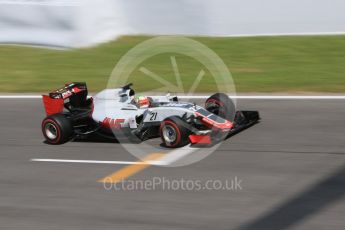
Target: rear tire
<point x="174" y="132"/>
<point x="57" y="129"/>
<point x="221" y="105"/>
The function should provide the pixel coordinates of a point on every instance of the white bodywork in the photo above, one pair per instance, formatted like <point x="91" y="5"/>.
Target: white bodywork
<point x="116" y="104"/>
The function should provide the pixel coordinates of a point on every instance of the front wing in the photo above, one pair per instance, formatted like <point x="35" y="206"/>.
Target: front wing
<point x="242" y="121"/>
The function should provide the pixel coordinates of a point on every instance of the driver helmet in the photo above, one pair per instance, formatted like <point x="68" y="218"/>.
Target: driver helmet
<point x="142" y="101"/>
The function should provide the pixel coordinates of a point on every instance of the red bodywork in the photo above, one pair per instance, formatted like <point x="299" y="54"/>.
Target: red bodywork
<point x="206" y="139"/>
<point x="200" y="139"/>
<point x="227" y="125"/>
<point x="112" y="123"/>
<point x="52" y="105"/>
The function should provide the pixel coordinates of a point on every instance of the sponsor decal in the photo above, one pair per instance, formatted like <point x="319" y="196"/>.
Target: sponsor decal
<point x="112" y="123"/>
<point x="66" y="94"/>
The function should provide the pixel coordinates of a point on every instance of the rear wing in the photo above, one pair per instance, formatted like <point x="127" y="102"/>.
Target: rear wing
<point x="75" y="93"/>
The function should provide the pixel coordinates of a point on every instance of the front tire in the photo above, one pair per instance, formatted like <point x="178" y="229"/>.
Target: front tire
<point x="174" y="132"/>
<point x="221" y="105"/>
<point x="57" y="129"/>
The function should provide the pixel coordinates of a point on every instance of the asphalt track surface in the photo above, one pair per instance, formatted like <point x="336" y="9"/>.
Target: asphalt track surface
<point x="291" y="164"/>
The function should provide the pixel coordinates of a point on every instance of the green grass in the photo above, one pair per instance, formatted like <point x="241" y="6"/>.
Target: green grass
<point x="257" y="64"/>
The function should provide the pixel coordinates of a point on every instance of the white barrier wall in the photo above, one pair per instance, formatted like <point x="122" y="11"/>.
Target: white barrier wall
<point x="76" y="23"/>
<point x="65" y="23"/>
<point x="24" y="22"/>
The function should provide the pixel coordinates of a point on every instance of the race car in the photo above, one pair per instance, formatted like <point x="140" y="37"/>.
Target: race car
<point x="121" y="114"/>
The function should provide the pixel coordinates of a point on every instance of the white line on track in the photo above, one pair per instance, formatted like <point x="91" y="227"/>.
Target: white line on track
<point x="273" y="97"/>
<point x="154" y="162"/>
<point x="255" y="97"/>
<point x="20" y="96"/>
<point x="88" y="161"/>
<point x="174" y="155"/>
<point x="168" y="159"/>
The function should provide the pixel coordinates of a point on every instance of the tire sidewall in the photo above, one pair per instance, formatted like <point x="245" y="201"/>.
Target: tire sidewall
<point x="63" y="127"/>
<point x="58" y="131"/>
<point x="222" y="100"/>
<point x="182" y="132"/>
<point x="177" y="131"/>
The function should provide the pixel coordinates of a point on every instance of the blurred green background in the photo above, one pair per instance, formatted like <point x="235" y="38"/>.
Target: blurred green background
<point x="258" y="64"/>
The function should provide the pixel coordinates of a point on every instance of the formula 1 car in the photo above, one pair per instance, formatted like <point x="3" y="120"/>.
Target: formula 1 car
<point x="120" y="114"/>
